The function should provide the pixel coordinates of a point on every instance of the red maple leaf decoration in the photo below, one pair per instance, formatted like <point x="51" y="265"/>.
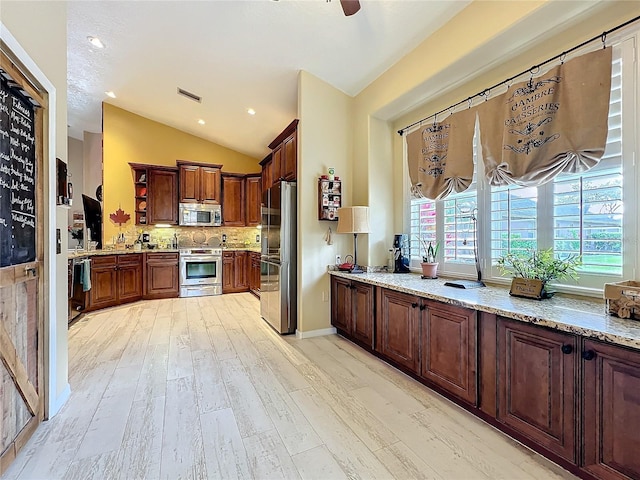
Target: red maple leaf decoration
<point x="119" y="217"/>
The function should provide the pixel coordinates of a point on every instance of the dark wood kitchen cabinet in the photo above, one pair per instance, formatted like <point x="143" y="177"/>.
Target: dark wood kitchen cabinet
<point x="162" y="196"/>
<point x="353" y="310"/>
<point x="449" y="349"/>
<point x="115" y="279"/>
<point x="284" y="154"/>
<point x="233" y="200"/>
<point x="398" y="328"/>
<point x="234" y="272"/>
<point x="253" y="195"/>
<point x="611" y="416"/>
<point x="537" y="375"/>
<point x="199" y="183"/>
<point x="161" y="275"/>
<point x="104" y="286"/>
<point x="267" y="173"/>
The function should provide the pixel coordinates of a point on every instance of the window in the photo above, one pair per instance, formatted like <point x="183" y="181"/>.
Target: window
<point x="579" y="214"/>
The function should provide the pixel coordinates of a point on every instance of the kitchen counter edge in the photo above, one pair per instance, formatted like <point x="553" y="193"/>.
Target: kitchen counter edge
<point x="581" y="316"/>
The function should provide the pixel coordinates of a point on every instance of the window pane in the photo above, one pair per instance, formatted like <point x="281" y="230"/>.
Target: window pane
<point x="459" y="211"/>
<point x="513" y="220"/>
<point x="423" y="225"/>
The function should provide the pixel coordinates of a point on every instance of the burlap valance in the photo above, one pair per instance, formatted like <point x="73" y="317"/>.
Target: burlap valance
<point x="549" y="125"/>
<point x="440" y="156"/>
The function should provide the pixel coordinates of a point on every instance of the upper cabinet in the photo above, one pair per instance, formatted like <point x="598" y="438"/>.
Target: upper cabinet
<point x="199" y="183"/>
<point x="233" y="200"/>
<point x="156" y="194"/>
<point x="253" y="195"/>
<point x="283" y="162"/>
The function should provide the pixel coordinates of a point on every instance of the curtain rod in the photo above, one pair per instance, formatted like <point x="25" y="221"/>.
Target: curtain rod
<point x="485" y="92"/>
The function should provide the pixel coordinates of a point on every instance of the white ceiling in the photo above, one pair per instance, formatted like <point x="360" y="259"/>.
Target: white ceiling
<point x="235" y="54"/>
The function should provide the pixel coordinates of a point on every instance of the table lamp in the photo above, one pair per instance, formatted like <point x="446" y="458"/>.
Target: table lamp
<point x="354" y="220"/>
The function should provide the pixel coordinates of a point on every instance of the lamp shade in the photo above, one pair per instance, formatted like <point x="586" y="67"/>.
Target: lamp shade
<point x="353" y="220"/>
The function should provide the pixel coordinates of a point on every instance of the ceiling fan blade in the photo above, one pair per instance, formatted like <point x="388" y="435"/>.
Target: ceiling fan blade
<point x="350" y="6"/>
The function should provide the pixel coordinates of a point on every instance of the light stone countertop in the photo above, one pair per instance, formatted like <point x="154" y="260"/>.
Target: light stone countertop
<point x="579" y="315"/>
<point x="93" y="253"/>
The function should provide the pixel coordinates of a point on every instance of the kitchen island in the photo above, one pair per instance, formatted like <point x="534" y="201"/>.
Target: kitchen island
<point x="560" y="375"/>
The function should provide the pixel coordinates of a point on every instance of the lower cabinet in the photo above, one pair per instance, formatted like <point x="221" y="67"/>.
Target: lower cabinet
<point x="234" y="272"/>
<point x="115" y="279"/>
<point x="449" y="349"/>
<point x="398" y="328"/>
<point x="162" y="278"/>
<point x="353" y="312"/>
<point x="537" y="384"/>
<point x="611" y="416"/>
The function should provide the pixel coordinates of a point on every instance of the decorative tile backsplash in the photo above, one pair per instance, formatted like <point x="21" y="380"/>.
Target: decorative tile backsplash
<point x="236" y="237"/>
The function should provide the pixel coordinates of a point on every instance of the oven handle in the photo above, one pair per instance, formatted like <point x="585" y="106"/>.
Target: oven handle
<point x="196" y="258"/>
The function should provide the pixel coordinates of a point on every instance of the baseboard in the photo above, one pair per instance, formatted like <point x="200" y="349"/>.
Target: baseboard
<point x="56" y="404"/>
<point x="316" y="333"/>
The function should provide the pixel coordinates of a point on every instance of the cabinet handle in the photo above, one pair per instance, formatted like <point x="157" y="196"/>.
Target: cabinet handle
<point x="422" y="307"/>
<point x="414" y="305"/>
<point x="567" y="349"/>
<point x="588" y="354"/>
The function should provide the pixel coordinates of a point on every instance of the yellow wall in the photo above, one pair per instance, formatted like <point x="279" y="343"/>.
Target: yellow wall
<point x="128" y="137"/>
<point x="324" y="140"/>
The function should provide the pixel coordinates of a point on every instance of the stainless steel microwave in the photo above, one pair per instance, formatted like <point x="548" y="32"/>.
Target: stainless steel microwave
<point x="200" y="215"/>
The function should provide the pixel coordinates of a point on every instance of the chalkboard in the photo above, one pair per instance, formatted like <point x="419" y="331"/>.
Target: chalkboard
<point x="17" y="177"/>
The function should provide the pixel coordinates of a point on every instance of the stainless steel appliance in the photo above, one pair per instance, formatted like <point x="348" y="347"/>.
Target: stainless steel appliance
<point x="200" y="272"/>
<point x="200" y="215"/>
<point x="278" y="266"/>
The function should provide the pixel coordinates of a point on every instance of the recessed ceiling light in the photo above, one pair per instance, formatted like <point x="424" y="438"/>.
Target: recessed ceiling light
<point x="201" y="122"/>
<point x="96" y="42"/>
<point x="110" y="94"/>
<point x="251" y="111"/>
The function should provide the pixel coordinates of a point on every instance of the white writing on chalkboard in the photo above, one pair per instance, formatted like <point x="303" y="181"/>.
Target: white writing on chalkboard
<point x="17" y="178"/>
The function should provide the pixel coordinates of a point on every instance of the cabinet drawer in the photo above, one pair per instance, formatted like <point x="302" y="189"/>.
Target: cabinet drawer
<point x="130" y="259"/>
<point x="98" y="261"/>
<point x="161" y="257"/>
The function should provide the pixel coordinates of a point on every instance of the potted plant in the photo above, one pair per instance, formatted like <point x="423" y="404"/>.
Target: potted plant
<point x="535" y="268"/>
<point x="429" y="263"/>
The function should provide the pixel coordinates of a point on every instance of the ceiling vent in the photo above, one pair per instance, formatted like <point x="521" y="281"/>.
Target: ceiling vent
<point x="189" y="95"/>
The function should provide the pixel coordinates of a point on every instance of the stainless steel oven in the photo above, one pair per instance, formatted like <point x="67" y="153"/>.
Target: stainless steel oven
<point x="200" y="272"/>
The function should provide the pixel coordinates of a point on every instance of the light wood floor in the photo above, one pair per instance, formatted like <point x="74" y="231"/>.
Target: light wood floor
<point x="203" y="388"/>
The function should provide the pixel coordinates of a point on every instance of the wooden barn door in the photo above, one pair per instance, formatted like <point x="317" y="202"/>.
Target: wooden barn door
<point x="21" y="260"/>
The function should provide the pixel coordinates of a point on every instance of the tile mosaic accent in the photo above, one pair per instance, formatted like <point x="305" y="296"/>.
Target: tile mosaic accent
<point x="578" y="315"/>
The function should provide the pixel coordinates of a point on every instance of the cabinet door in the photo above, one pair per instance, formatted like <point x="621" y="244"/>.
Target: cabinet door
<point x="362" y="312"/>
<point x="162" y="278"/>
<point x="228" y="280"/>
<point x="448" y="356"/>
<point x="240" y="267"/>
<point x="254" y="277"/>
<point x="189" y="184"/>
<point x="398" y="328"/>
<point x="129" y="277"/>
<point x="267" y="176"/>
<point x="210" y="185"/>
<point x="611" y="411"/>
<point x="537" y="381"/>
<point x="289" y="158"/>
<point x="341" y="304"/>
<point x="233" y="203"/>
<point x="253" y="192"/>
<point x="163" y="197"/>
<point x="276" y="164"/>
<point x="104" y="292"/>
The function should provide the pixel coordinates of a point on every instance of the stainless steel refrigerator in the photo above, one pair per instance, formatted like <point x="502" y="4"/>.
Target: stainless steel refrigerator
<point x="278" y="272"/>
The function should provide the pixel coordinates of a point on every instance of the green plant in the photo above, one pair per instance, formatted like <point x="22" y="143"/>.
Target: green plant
<point x="540" y="265"/>
<point x="430" y="252"/>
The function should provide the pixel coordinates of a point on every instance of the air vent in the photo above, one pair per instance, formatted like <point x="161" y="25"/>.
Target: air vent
<point x="189" y="95"/>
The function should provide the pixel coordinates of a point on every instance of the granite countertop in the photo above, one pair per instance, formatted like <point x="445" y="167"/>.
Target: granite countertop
<point x="93" y="253"/>
<point x="579" y="315"/>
